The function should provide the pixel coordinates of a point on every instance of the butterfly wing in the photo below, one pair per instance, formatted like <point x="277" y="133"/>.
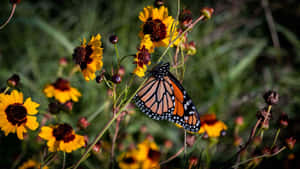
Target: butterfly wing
<point x="156" y="99"/>
<point x="163" y="98"/>
<point x="185" y="113"/>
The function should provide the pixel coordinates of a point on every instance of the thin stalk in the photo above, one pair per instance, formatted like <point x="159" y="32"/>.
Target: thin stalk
<point x="257" y="157"/>
<point x="276" y="137"/>
<point x="108" y="124"/>
<point x="64" y="161"/>
<point x="117" y="55"/>
<point x="172" y="157"/>
<point x="96" y="113"/>
<point x="10" y="16"/>
<point x="6" y="89"/>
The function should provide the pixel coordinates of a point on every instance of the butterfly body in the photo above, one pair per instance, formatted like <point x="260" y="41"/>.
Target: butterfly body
<point x="163" y="98"/>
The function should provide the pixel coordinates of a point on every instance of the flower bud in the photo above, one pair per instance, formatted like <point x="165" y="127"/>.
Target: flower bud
<point x="63" y="62"/>
<point x="290" y="142"/>
<point x="97" y="147"/>
<point x="116" y="78"/>
<point x="193" y="161"/>
<point x="239" y="121"/>
<point x="271" y="97"/>
<point x="100" y="78"/>
<point x="191" y="48"/>
<point x="168" y="144"/>
<point x="83" y="123"/>
<point x="13" y="81"/>
<point x="266" y="151"/>
<point x="113" y="39"/>
<point x="143" y="129"/>
<point x="121" y="71"/>
<point x="190" y="140"/>
<point x="283" y="120"/>
<point x="185" y="18"/>
<point x="158" y="3"/>
<point x="264" y="115"/>
<point x="68" y="106"/>
<point x="207" y="12"/>
<point x="265" y="124"/>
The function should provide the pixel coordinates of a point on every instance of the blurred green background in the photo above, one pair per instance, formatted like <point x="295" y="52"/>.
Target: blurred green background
<point x="235" y="63"/>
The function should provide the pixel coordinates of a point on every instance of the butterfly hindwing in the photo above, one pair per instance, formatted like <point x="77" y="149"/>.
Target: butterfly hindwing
<point x="163" y="98"/>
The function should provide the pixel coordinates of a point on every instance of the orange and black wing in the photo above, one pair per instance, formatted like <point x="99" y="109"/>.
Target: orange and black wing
<point x="156" y="99"/>
<point x="163" y="98"/>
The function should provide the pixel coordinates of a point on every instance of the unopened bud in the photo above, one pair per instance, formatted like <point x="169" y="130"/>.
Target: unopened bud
<point x="97" y="147"/>
<point x="290" y="142"/>
<point x="121" y="71"/>
<point x="207" y="12"/>
<point x="68" y="106"/>
<point x="168" y="144"/>
<point x="116" y="78"/>
<point x="13" y="81"/>
<point x="185" y="18"/>
<point x="283" y="120"/>
<point x="193" y="161"/>
<point x="191" y="48"/>
<point x="271" y="97"/>
<point x="63" y="62"/>
<point x="239" y="121"/>
<point x="266" y="151"/>
<point x="190" y="140"/>
<point x="158" y="3"/>
<point x="83" y="122"/>
<point x="113" y="39"/>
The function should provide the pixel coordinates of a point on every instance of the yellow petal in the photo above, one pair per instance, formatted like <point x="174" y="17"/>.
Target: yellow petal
<point x="31" y="106"/>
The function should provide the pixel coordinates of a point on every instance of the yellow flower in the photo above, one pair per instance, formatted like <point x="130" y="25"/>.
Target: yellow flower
<point x="16" y="116"/>
<point x="128" y="160"/>
<point x="211" y="126"/>
<point x="148" y="153"/>
<point x="159" y="25"/>
<point x="143" y="56"/>
<point x="31" y="164"/>
<point x="62" y="91"/>
<point x="89" y="57"/>
<point x="61" y="138"/>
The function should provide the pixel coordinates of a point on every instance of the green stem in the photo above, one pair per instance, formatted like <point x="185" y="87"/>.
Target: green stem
<point x="117" y="54"/>
<point x="64" y="160"/>
<point x="109" y="123"/>
<point x="257" y="157"/>
<point x="276" y="137"/>
<point x="96" y="113"/>
<point x="6" y="89"/>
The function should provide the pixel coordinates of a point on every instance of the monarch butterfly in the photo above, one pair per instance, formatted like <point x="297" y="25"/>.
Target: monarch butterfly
<point x="163" y="98"/>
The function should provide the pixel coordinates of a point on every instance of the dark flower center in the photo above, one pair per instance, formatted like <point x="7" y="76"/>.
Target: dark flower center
<point x="156" y="29"/>
<point x="33" y="167"/>
<point x="62" y="84"/>
<point x="210" y="121"/>
<point x="82" y="55"/>
<point x="64" y="132"/>
<point x="154" y="155"/>
<point x="144" y="57"/>
<point x="128" y="160"/>
<point x="16" y="114"/>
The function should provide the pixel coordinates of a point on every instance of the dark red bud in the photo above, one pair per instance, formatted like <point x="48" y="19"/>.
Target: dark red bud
<point x="13" y="81"/>
<point x="271" y="97"/>
<point x="117" y="78"/>
<point x="83" y="122"/>
<point x="113" y="39"/>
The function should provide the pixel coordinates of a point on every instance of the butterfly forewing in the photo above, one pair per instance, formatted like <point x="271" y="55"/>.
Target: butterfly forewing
<point x="163" y="97"/>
